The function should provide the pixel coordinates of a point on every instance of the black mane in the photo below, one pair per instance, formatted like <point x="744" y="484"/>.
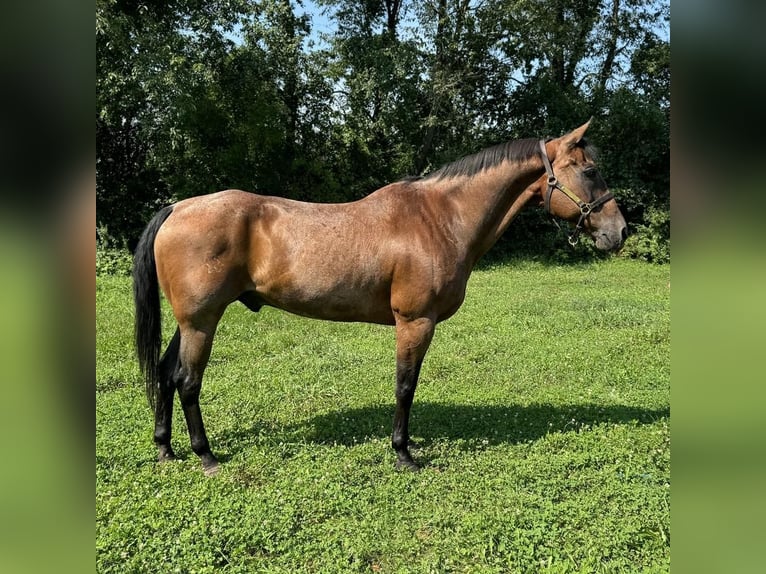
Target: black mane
<point x="516" y="150"/>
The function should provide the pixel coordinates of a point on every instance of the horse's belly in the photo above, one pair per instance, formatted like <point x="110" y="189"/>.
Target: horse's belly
<point x="339" y="302"/>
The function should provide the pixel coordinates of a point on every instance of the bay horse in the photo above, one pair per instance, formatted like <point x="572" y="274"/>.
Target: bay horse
<point x="400" y="256"/>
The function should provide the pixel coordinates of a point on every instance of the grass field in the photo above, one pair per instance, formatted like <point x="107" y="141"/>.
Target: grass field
<point x="542" y="419"/>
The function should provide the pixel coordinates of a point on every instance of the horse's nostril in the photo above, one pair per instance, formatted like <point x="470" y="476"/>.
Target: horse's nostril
<point x="624" y="233"/>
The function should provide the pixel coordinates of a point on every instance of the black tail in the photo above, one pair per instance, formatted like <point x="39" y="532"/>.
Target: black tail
<point x="146" y="296"/>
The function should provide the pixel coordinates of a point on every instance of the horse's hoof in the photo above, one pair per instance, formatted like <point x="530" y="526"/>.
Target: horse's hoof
<point x="166" y="456"/>
<point x="407" y="465"/>
<point x="209" y="463"/>
<point x="211" y="469"/>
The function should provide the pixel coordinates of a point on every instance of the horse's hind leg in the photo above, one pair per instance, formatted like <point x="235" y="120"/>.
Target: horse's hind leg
<point x="194" y="353"/>
<point x="163" y="414"/>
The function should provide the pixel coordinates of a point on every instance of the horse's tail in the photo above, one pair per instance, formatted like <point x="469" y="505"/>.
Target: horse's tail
<point x="146" y="296"/>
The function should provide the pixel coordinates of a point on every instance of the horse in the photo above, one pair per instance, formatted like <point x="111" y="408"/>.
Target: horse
<point x="400" y="256"/>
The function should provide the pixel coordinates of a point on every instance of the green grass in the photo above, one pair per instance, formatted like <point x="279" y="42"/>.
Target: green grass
<point x="542" y="418"/>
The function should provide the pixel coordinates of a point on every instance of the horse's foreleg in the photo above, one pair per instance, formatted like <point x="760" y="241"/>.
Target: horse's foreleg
<point x="196" y="344"/>
<point x="412" y="340"/>
<point x="163" y="413"/>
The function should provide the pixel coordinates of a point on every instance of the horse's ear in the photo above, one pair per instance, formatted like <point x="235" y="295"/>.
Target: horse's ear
<point x="571" y="139"/>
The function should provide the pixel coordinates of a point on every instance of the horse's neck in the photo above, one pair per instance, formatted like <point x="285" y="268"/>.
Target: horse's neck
<point x="490" y="200"/>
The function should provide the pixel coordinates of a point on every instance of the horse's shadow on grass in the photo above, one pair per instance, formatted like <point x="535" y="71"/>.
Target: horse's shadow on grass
<point x="466" y="425"/>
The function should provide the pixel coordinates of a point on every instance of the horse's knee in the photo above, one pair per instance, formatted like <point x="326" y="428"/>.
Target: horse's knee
<point x="405" y="391"/>
<point x="406" y="383"/>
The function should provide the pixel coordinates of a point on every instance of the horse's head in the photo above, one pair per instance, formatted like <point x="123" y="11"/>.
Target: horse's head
<point x="572" y="189"/>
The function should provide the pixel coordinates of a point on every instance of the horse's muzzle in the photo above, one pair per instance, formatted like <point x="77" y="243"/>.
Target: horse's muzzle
<point x="611" y="241"/>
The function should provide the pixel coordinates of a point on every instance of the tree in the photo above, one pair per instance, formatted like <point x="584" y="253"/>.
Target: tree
<point x="193" y="97"/>
<point x="150" y="60"/>
<point x="184" y="109"/>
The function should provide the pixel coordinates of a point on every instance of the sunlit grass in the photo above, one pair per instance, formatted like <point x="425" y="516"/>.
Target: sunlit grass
<point x="542" y="419"/>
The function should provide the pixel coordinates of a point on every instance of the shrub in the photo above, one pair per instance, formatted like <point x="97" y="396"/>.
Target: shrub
<point x="111" y="259"/>
<point x="651" y="239"/>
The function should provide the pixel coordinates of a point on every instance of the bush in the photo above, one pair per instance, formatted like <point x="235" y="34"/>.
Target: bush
<point x="651" y="239"/>
<point x="118" y="262"/>
<point x="111" y="259"/>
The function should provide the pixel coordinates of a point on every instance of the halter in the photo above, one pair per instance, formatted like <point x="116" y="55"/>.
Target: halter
<point x="585" y="207"/>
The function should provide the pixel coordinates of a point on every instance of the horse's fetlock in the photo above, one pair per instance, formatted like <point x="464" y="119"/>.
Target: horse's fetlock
<point x="200" y="446"/>
<point x="162" y="436"/>
<point x="399" y="441"/>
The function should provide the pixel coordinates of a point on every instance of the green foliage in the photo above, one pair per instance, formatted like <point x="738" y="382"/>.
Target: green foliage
<point x="542" y="419"/>
<point x="117" y="262"/>
<point x="651" y="240"/>
<point x="196" y="97"/>
<point x="111" y="259"/>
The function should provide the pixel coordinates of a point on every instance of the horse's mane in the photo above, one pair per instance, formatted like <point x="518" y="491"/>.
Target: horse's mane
<point x="514" y="151"/>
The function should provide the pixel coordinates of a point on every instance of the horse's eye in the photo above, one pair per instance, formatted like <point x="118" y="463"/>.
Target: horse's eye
<point x="590" y="172"/>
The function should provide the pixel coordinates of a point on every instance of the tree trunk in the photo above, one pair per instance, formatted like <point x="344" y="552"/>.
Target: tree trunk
<point x="611" y="47"/>
<point x="392" y="16"/>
